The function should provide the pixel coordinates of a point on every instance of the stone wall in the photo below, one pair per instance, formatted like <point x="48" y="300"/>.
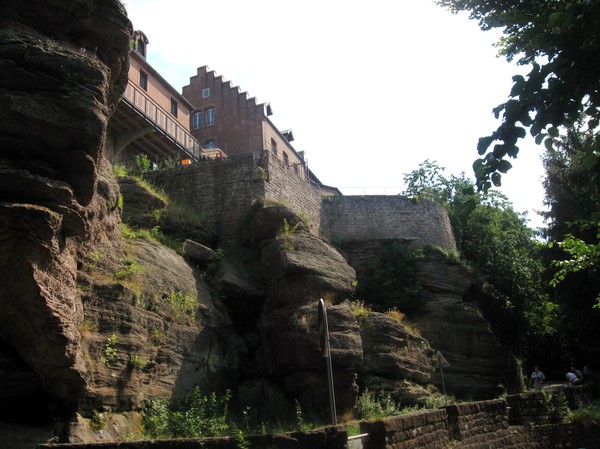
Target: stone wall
<point x="291" y="188"/>
<point x="382" y="217"/>
<point x="224" y="190"/>
<point x="323" y="438"/>
<point x="495" y="424"/>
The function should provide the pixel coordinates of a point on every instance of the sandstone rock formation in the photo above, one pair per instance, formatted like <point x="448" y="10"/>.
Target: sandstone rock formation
<point x="92" y="321"/>
<point x="60" y="77"/>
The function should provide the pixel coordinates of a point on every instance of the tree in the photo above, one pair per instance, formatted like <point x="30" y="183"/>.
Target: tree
<point x="561" y="40"/>
<point x="496" y="242"/>
<point x="573" y="196"/>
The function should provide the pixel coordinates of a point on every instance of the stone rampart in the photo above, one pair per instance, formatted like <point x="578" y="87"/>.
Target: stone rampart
<point x="224" y="190"/>
<point x="290" y="187"/>
<point x="351" y="218"/>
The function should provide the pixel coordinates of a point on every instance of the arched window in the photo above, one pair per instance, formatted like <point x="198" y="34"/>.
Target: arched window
<point x="273" y="147"/>
<point x="286" y="159"/>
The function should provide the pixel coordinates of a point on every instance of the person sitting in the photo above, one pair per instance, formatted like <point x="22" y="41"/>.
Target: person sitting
<point x="572" y="378"/>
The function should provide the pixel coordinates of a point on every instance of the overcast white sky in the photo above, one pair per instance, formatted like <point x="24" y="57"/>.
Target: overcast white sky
<point x="370" y="88"/>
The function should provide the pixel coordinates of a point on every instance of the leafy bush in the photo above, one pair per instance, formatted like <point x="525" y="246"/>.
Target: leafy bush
<point x="182" y="305"/>
<point x="130" y="267"/>
<point x="373" y="406"/>
<point x="391" y="280"/>
<point x="201" y="416"/>
<point x="359" y="309"/>
<point x="110" y="350"/>
<point x="588" y="413"/>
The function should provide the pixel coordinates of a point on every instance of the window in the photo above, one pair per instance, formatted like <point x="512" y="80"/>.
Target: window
<point x="286" y="159"/>
<point x="210" y="117"/>
<point x="206" y="92"/>
<point x="143" y="80"/>
<point x="174" y="107"/>
<point x="212" y="143"/>
<point x="273" y="147"/>
<point x="197" y="120"/>
<point x="141" y="47"/>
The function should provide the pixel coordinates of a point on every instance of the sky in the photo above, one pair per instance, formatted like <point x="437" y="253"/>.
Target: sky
<point x="370" y="89"/>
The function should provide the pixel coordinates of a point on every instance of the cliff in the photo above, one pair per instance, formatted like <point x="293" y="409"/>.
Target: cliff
<point x="96" y="317"/>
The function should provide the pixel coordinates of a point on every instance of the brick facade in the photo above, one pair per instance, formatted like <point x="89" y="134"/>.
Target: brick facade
<point x="241" y="125"/>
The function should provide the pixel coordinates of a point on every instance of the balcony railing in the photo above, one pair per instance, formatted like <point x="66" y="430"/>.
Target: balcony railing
<point x="139" y="100"/>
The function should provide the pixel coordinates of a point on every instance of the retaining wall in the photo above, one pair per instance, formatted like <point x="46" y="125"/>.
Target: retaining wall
<point x="382" y="217"/>
<point x="497" y="424"/>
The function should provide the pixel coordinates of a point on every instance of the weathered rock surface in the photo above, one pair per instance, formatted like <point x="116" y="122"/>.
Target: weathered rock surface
<point x="162" y="349"/>
<point x="59" y="79"/>
<point x="479" y="366"/>
<point x="139" y="210"/>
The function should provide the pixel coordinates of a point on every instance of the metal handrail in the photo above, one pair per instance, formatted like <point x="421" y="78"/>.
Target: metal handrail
<point x="139" y="101"/>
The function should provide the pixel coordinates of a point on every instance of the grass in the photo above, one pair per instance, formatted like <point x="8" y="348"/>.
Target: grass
<point x="130" y="267"/>
<point x="359" y="309"/>
<point x="587" y="413"/>
<point x="181" y="305"/>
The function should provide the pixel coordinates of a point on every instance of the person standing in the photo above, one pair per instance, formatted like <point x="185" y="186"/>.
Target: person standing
<point x="537" y="378"/>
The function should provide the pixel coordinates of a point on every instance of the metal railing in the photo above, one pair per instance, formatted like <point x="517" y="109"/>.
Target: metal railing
<point x="139" y="100"/>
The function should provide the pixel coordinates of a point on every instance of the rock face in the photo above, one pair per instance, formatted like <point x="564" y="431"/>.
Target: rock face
<point x="299" y="269"/>
<point x="479" y="366"/>
<point x="163" y="345"/>
<point x="59" y="79"/>
<point x="92" y="321"/>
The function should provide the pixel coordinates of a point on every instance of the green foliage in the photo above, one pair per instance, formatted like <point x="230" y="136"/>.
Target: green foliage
<point x="587" y="413"/>
<point x="93" y="258"/>
<point x="201" y="416"/>
<point x="583" y="256"/>
<point x="359" y="309"/>
<point x="372" y="406"/>
<point x="214" y="266"/>
<point x="557" y="406"/>
<point x="142" y="163"/>
<point x="559" y="40"/>
<point x="286" y="233"/>
<point x="97" y="421"/>
<point x="505" y="257"/>
<point x="119" y="170"/>
<point x="130" y="267"/>
<point x="138" y="361"/>
<point x="182" y="305"/>
<point x="263" y="174"/>
<point x="439" y="401"/>
<point x="391" y="280"/>
<point x="110" y="351"/>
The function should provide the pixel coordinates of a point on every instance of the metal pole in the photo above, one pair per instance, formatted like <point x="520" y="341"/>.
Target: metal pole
<point x="324" y="330"/>
<point x="443" y="383"/>
<point x="330" y="377"/>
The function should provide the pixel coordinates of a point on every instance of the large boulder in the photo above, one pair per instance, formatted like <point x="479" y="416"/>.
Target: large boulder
<point x="60" y="78"/>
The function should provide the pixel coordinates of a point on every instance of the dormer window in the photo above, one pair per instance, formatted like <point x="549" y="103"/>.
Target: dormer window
<point x="141" y="47"/>
<point x="140" y="42"/>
